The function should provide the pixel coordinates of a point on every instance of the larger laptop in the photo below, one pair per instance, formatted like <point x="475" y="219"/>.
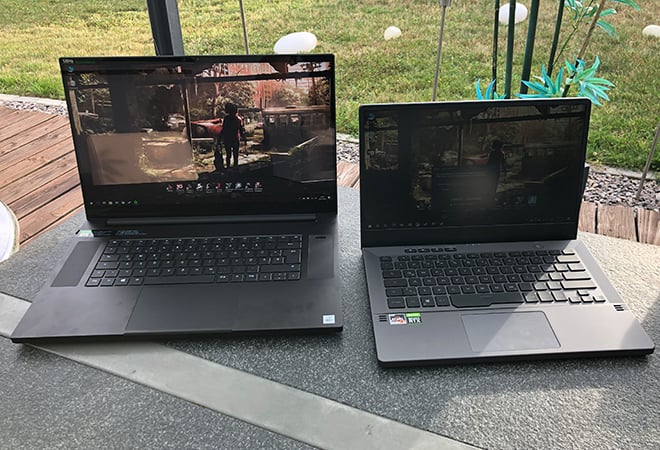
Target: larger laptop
<point x="469" y="217"/>
<point x="209" y="187"/>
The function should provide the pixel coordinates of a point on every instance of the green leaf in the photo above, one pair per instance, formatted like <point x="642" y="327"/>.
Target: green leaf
<point x="477" y="88"/>
<point x="490" y="93"/>
<point x="608" y="28"/>
<point x="607" y="12"/>
<point x="601" y="81"/>
<point x="558" y="81"/>
<point x="629" y="3"/>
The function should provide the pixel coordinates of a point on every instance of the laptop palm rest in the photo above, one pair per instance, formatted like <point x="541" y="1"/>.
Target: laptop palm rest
<point x="182" y="308"/>
<point x="498" y="332"/>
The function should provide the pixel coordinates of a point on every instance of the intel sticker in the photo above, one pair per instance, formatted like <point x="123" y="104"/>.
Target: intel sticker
<point x="328" y="319"/>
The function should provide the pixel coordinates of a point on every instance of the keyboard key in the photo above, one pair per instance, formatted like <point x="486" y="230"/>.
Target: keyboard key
<point x="105" y="265"/>
<point x="441" y="300"/>
<point x="576" y="276"/>
<point x="468" y="289"/>
<point x="394" y="292"/>
<point x="409" y="291"/>
<point x="396" y="282"/>
<point x="574" y="298"/>
<point x="578" y="284"/>
<point x="424" y="290"/>
<point x="559" y="296"/>
<point x="396" y="302"/>
<point x="392" y="274"/>
<point x="107" y="281"/>
<point x="545" y="296"/>
<point x="427" y="301"/>
<point x="483" y="300"/>
<point x="412" y="302"/>
<point x="453" y="289"/>
<point x="531" y="297"/>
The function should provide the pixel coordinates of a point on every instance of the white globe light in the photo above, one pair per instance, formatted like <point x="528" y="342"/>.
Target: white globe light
<point x="521" y="13"/>
<point x="391" y="33"/>
<point x="299" y="42"/>
<point x="651" y="30"/>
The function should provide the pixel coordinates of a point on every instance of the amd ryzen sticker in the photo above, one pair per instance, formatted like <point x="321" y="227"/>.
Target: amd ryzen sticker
<point x="405" y="319"/>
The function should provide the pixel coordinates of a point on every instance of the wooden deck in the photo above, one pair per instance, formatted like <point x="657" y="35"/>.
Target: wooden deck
<point x="39" y="181"/>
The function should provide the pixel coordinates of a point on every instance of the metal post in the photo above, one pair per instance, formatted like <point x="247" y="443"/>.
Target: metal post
<point x="648" y="162"/>
<point x="529" y="45"/>
<point x="245" y="36"/>
<point x="496" y="28"/>
<point x="444" y="4"/>
<point x="508" y="72"/>
<point x="165" y="27"/>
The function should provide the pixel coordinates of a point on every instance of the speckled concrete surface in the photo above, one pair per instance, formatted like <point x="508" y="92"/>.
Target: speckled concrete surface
<point x="50" y="402"/>
<point x="596" y="403"/>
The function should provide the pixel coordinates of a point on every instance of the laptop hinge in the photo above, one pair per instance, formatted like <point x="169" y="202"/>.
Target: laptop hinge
<point x="212" y="219"/>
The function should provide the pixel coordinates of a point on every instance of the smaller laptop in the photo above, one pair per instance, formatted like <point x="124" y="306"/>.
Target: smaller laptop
<point x="469" y="217"/>
<point x="209" y="186"/>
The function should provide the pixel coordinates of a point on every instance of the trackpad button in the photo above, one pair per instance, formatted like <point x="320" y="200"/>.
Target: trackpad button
<point x="496" y="332"/>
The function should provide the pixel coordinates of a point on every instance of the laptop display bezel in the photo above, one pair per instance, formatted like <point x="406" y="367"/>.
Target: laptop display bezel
<point x="321" y="198"/>
<point x="403" y="235"/>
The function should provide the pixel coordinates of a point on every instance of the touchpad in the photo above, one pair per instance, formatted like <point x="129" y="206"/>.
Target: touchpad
<point x="496" y="332"/>
<point x="194" y="308"/>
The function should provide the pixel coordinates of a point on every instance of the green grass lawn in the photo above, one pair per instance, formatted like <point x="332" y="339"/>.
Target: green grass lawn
<point x="34" y="33"/>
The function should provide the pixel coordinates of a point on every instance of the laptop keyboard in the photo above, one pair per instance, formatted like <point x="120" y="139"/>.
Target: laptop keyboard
<point x="131" y="262"/>
<point x="440" y="277"/>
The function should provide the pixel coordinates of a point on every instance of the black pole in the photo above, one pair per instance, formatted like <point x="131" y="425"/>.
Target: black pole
<point x="529" y="44"/>
<point x="165" y="27"/>
<point x="496" y="27"/>
<point x="444" y="4"/>
<point x="508" y="72"/>
<point x="555" y="37"/>
<point x="245" y="36"/>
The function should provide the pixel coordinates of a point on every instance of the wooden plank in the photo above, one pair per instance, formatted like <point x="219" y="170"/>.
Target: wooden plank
<point x="40" y="198"/>
<point x="648" y="226"/>
<point x="616" y="221"/>
<point x="6" y="113"/>
<point x="347" y="173"/>
<point x="587" y="220"/>
<point x="21" y="164"/>
<point x="55" y="125"/>
<point x="58" y="210"/>
<point x="21" y="124"/>
<point x="37" y="179"/>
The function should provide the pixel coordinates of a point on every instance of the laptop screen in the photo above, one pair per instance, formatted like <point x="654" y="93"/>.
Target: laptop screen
<point x="472" y="171"/>
<point x="203" y="135"/>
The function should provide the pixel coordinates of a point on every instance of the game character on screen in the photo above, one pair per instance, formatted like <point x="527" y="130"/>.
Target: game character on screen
<point x="232" y="133"/>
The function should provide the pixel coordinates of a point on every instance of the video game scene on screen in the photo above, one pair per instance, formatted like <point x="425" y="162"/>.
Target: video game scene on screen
<point x="214" y="128"/>
<point x="474" y="164"/>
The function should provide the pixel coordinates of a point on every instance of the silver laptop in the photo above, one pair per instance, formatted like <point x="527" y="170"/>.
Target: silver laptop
<point x="469" y="218"/>
<point x="210" y="193"/>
